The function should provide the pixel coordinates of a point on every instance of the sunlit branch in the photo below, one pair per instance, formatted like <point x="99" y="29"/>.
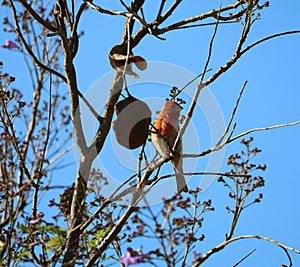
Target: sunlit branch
<point x="213" y="14"/>
<point x="230" y="139"/>
<point x="225" y="243"/>
<point x="263" y="129"/>
<point x="268" y="38"/>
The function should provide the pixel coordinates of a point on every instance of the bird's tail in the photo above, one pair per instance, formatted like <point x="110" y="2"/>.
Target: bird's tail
<point x="180" y="180"/>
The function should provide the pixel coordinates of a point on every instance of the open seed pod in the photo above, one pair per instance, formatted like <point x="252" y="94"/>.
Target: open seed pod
<point x="132" y="124"/>
<point x="117" y="59"/>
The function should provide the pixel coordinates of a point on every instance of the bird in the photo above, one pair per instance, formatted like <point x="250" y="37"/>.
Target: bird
<point x="163" y="136"/>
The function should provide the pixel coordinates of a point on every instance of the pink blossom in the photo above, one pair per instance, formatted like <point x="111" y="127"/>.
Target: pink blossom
<point x="9" y="44"/>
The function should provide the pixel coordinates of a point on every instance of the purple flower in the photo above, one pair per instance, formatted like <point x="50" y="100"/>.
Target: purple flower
<point x="9" y="44"/>
<point x="131" y="257"/>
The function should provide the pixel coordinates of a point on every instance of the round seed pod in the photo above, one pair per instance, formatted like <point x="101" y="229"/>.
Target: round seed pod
<point x="132" y="124"/>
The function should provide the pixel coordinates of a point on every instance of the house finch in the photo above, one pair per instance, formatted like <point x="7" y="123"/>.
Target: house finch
<point x="163" y="136"/>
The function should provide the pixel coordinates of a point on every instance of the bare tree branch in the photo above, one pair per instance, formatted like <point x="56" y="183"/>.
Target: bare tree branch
<point x="225" y="243"/>
<point x="268" y="38"/>
<point x="229" y="139"/>
<point x="263" y="129"/>
<point x="213" y="13"/>
<point x="169" y="12"/>
<point x="161" y="7"/>
<point x="105" y="11"/>
<point x="27" y="47"/>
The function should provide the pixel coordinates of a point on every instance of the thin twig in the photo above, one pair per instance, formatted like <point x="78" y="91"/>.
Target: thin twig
<point x="232" y="114"/>
<point x="206" y="173"/>
<point x="59" y="155"/>
<point x="197" y="93"/>
<point x="43" y="22"/>
<point x="140" y="158"/>
<point x="111" y="235"/>
<point x="136" y="198"/>
<point x="161" y="7"/>
<point x="237" y="54"/>
<point x="245" y="257"/>
<point x="32" y="123"/>
<point x="158" y="235"/>
<point x="40" y="168"/>
<point x="229" y="139"/>
<point x="191" y="81"/>
<point x="9" y="128"/>
<point x="169" y="12"/>
<point x="213" y="13"/>
<point x="78" y="16"/>
<point x="205" y="24"/>
<point x="263" y="129"/>
<point x="105" y="11"/>
<point x="268" y="38"/>
<point x="119" y="13"/>
<point x="49" y="115"/>
<point x="128" y="30"/>
<point x="90" y="107"/>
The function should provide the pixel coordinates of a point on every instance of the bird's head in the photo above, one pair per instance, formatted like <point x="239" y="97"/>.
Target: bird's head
<point x="172" y="109"/>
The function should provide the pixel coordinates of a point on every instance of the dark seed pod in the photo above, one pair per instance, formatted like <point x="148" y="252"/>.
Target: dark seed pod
<point x="117" y="58"/>
<point x="132" y="124"/>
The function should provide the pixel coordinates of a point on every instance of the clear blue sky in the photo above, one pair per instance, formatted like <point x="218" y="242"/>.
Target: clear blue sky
<point x="271" y="97"/>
